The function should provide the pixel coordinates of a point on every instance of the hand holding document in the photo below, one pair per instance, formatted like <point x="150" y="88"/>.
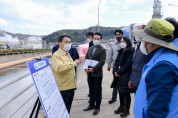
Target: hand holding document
<point x="90" y="63"/>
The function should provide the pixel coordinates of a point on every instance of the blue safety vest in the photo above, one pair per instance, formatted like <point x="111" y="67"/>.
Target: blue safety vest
<point x="140" y="104"/>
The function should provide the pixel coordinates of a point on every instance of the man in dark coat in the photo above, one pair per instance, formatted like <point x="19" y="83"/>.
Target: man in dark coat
<point x="139" y="60"/>
<point x="95" y="73"/>
<point x="89" y="37"/>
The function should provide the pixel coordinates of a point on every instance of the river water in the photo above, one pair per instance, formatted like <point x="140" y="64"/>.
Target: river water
<point x="14" y="71"/>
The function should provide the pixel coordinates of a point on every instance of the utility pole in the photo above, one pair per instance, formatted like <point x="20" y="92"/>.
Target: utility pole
<point x="98" y="16"/>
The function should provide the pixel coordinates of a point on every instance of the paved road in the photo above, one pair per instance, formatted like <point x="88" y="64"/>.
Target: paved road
<point x="81" y="99"/>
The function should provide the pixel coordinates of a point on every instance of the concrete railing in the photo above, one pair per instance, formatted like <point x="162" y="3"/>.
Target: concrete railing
<point x="7" y="83"/>
<point x="21" y="91"/>
<point x="11" y="98"/>
<point x="18" y="108"/>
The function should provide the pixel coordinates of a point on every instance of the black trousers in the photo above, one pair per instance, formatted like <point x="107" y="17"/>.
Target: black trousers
<point x="135" y="89"/>
<point x="125" y="100"/>
<point x="68" y="96"/>
<point x="95" y="91"/>
<point x="114" y="92"/>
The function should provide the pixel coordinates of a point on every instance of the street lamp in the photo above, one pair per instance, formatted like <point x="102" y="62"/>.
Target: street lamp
<point x="98" y="16"/>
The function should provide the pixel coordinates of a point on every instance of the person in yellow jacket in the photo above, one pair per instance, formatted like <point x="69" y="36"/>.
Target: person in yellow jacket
<point x="63" y="69"/>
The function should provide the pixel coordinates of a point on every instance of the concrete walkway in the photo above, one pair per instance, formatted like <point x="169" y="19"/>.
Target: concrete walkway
<point x="81" y="98"/>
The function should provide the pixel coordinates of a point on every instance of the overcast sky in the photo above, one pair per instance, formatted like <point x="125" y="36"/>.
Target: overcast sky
<point x="42" y="17"/>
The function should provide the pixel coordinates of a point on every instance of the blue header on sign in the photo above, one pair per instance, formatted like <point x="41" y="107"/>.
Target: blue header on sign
<point x="37" y="65"/>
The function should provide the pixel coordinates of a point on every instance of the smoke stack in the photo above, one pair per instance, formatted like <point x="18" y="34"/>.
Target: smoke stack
<point x="157" y="10"/>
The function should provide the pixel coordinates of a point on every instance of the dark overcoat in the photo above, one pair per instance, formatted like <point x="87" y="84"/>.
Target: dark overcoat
<point x="123" y="67"/>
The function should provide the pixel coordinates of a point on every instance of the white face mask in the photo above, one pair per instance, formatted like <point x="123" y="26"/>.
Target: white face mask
<point x="123" y="45"/>
<point x="96" y="42"/>
<point x="143" y="49"/>
<point x="67" y="47"/>
<point x="88" y="40"/>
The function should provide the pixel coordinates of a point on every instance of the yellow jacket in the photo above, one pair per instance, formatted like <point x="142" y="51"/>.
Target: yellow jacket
<point x="63" y="70"/>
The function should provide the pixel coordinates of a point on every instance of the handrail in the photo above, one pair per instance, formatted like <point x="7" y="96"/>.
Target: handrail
<point x="24" y="52"/>
<point x="9" y="64"/>
<point x="10" y="99"/>
<point x="15" y="111"/>
<point x="11" y="81"/>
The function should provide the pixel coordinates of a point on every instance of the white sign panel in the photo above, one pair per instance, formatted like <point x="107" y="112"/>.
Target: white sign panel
<point x="47" y="88"/>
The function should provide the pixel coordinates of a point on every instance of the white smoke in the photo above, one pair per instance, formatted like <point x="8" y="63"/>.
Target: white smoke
<point x="9" y="40"/>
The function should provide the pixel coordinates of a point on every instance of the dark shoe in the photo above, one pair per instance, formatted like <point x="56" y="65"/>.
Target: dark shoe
<point x="125" y="113"/>
<point x="96" y="111"/>
<point x="119" y="110"/>
<point x="111" y="101"/>
<point x="88" y="108"/>
<point x="88" y="95"/>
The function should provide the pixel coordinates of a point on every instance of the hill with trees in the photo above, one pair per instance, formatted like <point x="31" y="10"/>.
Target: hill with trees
<point x="79" y="35"/>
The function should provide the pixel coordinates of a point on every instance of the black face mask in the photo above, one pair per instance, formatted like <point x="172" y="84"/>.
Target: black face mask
<point x="118" y="39"/>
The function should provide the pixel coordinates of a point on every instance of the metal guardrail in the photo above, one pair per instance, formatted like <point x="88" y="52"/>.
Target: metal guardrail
<point x="9" y="64"/>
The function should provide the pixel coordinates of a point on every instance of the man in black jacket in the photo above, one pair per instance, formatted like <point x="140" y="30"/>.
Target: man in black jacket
<point x="95" y="73"/>
<point x="89" y="37"/>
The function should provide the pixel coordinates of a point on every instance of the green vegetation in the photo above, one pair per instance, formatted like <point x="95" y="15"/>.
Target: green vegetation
<point x="79" y="35"/>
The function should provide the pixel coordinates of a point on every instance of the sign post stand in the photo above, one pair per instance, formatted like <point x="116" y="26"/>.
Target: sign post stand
<point x="37" y="104"/>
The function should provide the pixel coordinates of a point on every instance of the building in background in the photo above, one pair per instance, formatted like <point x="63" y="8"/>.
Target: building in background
<point x="157" y="12"/>
<point x="33" y="42"/>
